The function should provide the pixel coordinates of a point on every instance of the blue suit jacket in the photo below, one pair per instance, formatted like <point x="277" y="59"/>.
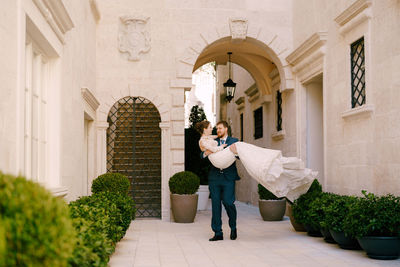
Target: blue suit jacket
<point x="229" y="173"/>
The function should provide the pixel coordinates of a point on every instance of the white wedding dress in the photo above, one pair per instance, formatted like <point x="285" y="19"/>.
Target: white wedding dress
<point x="283" y="176"/>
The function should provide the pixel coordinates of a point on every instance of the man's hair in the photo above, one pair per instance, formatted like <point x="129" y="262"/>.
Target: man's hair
<point x="224" y="123"/>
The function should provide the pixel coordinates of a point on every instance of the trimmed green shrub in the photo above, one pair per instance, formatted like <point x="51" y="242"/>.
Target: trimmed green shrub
<point x="38" y="229"/>
<point x="2" y="244"/>
<point x="104" y="208"/>
<point x="315" y="187"/>
<point x="301" y="205"/>
<point x="316" y="212"/>
<point x="94" y="247"/>
<point x="337" y="210"/>
<point x="265" y="194"/>
<point x="184" y="183"/>
<point x="124" y="204"/>
<point x="111" y="182"/>
<point x="373" y="215"/>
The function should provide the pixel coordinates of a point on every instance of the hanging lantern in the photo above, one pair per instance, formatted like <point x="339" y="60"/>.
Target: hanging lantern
<point x="229" y="85"/>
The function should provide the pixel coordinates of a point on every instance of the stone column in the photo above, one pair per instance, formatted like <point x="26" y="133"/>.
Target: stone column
<point x="101" y="127"/>
<point x="165" y="171"/>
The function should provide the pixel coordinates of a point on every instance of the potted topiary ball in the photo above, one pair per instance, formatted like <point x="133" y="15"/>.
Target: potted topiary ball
<point x="271" y="207"/>
<point x="375" y="222"/>
<point x="183" y="187"/>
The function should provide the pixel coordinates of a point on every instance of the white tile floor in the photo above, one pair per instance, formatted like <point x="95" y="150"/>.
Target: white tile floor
<point x="151" y="243"/>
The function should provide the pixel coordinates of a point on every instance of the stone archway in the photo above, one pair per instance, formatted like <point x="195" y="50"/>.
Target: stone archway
<point x="134" y="150"/>
<point x="238" y="30"/>
<point x="234" y="35"/>
<point x="163" y="108"/>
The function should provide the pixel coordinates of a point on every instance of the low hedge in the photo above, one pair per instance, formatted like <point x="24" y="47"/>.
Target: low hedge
<point x="37" y="227"/>
<point x="94" y="247"/>
<point x="2" y="244"/>
<point x="265" y="194"/>
<point x="373" y="215"/>
<point x="302" y="204"/>
<point x="184" y="183"/>
<point x="316" y="213"/>
<point x="111" y="182"/>
<point x="101" y="220"/>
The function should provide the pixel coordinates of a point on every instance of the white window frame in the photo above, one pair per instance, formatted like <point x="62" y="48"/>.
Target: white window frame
<point x="37" y="80"/>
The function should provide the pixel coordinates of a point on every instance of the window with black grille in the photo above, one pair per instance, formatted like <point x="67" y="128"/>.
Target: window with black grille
<point x="258" y="123"/>
<point x="278" y="111"/>
<point x="357" y="73"/>
<point x="241" y="127"/>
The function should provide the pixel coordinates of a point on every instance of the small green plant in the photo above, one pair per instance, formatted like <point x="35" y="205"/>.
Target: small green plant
<point x="373" y="215"/>
<point x="265" y="194"/>
<point x="301" y="205"/>
<point x="37" y="227"/>
<point x="316" y="212"/>
<point x="2" y="244"/>
<point x="196" y="115"/>
<point x="94" y="247"/>
<point x="337" y="210"/>
<point x="111" y="182"/>
<point x="185" y="182"/>
<point x="315" y="187"/>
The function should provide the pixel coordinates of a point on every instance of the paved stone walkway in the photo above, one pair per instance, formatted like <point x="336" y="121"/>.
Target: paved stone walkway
<point x="150" y="243"/>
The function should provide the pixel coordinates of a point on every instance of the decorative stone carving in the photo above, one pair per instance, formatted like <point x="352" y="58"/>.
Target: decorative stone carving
<point x="133" y="36"/>
<point x="238" y="28"/>
<point x="240" y="103"/>
<point x="253" y="93"/>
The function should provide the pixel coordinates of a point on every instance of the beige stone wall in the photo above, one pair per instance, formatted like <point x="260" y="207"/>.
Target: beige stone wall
<point x="72" y="57"/>
<point x="78" y="66"/>
<point x="8" y="92"/>
<point x="179" y="32"/>
<point x="361" y="150"/>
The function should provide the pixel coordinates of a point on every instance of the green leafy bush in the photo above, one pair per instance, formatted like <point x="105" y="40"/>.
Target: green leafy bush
<point x="301" y="205"/>
<point x="373" y="215"/>
<point x="124" y="204"/>
<point x="337" y="210"/>
<point x="315" y="187"/>
<point x="2" y="244"/>
<point x="265" y="194"/>
<point x="316" y="212"/>
<point x="184" y="183"/>
<point x="94" y="247"/>
<point x="104" y="208"/>
<point x="111" y="182"/>
<point x="38" y="229"/>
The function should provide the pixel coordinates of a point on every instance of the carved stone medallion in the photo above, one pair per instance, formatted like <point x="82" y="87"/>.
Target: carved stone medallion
<point x="133" y="36"/>
<point x="238" y="28"/>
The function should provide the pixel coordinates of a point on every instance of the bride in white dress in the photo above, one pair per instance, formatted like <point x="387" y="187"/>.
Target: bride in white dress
<point x="283" y="176"/>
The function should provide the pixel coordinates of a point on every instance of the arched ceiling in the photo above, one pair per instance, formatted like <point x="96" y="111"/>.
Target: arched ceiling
<point x="248" y="54"/>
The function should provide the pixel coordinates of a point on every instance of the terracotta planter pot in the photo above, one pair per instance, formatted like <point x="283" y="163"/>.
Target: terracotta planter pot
<point x="184" y="207"/>
<point x="344" y="241"/>
<point x="380" y="247"/>
<point x="297" y="226"/>
<point x="272" y="210"/>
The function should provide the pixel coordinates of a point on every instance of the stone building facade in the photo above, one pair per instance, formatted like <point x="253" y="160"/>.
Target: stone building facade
<point x="68" y="63"/>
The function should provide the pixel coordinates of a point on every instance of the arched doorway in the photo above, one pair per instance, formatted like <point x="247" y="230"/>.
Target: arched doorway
<point x="134" y="149"/>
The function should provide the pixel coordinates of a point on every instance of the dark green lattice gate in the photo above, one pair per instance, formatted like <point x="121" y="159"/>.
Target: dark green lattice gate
<point x="134" y="149"/>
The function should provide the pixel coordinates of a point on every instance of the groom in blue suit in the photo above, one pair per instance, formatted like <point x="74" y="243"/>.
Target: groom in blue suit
<point x="221" y="183"/>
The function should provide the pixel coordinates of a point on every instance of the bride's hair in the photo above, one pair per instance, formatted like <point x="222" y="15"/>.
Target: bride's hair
<point x="200" y="126"/>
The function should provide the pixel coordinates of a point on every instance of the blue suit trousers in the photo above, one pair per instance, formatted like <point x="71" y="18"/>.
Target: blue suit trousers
<point x="222" y="190"/>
